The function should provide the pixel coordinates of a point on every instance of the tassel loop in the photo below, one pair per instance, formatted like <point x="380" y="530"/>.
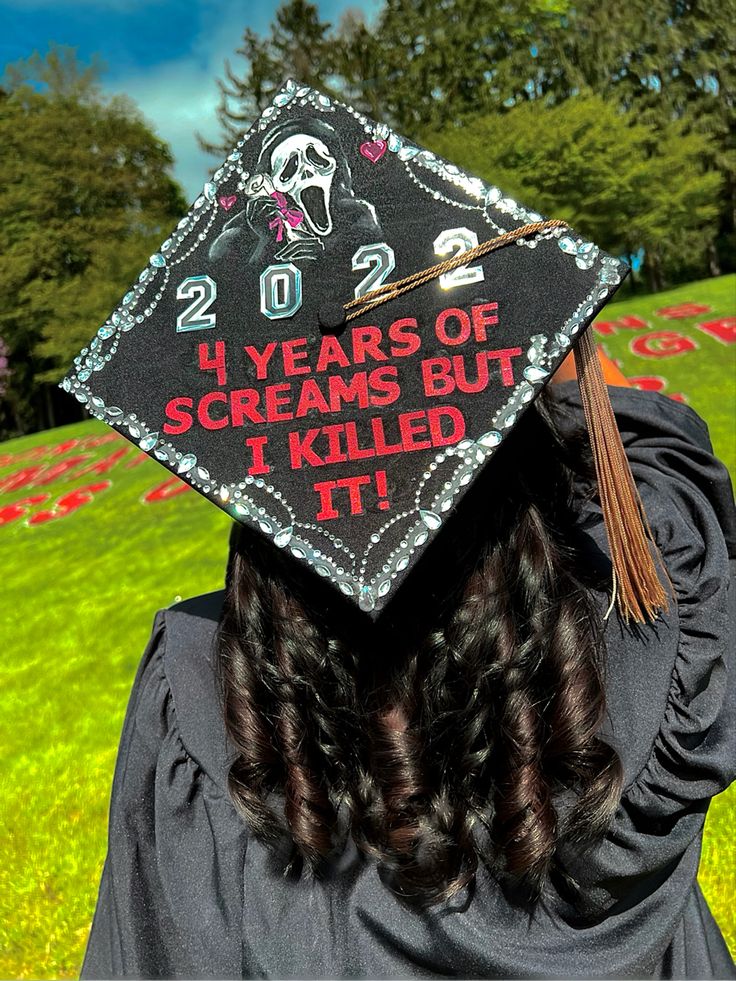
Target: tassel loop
<point x="638" y="590"/>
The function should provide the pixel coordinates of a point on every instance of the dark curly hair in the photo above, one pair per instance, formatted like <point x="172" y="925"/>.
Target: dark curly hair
<point x="452" y="729"/>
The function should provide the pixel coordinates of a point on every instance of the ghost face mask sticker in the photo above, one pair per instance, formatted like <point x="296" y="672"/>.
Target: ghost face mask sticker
<point x="349" y="451"/>
<point x="303" y="168"/>
<point x="299" y="199"/>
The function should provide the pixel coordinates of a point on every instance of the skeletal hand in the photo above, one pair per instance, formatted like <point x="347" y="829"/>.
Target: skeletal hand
<point x="301" y="248"/>
<point x="259" y="212"/>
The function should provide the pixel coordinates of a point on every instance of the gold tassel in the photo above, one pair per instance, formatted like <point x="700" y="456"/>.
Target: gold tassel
<point x="638" y="590"/>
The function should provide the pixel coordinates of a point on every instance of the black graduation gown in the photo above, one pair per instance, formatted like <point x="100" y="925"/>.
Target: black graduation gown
<point x="187" y="893"/>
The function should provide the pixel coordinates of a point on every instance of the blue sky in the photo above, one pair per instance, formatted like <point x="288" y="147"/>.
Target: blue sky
<point x="165" y="54"/>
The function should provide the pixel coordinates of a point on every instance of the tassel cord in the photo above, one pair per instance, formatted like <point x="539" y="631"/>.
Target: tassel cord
<point x="390" y="291"/>
<point x="637" y="587"/>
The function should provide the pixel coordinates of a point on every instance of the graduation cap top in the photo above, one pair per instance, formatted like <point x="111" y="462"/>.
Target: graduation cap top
<point x="334" y="341"/>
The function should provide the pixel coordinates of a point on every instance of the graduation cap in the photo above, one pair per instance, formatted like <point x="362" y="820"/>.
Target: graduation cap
<point x="335" y="340"/>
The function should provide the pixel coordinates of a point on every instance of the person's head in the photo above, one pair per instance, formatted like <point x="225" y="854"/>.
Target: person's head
<point x="449" y="729"/>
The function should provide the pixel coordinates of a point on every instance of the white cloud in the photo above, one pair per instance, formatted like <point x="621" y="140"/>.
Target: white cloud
<point x="179" y="99"/>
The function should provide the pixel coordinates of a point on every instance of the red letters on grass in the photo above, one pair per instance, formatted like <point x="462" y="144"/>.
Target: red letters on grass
<point x="661" y="344"/>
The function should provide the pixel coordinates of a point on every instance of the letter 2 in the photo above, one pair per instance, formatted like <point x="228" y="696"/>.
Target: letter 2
<point x="203" y="291"/>
<point x="381" y="257"/>
<point x="457" y="241"/>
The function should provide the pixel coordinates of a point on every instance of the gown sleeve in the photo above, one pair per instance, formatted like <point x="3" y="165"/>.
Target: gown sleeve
<point x="647" y="864"/>
<point x="122" y="936"/>
<point x="163" y="910"/>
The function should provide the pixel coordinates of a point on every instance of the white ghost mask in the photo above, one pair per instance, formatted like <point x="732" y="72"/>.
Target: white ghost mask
<point x="303" y="168"/>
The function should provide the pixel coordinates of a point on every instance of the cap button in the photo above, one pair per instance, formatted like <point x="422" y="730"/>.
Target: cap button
<point x="332" y="317"/>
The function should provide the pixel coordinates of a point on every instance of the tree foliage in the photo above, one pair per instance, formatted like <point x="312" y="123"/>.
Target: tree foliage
<point x="623" y="184"/>
<point x="660" y="67"/>
<point x="86" y="195"/>
<point x="298" y="44"/>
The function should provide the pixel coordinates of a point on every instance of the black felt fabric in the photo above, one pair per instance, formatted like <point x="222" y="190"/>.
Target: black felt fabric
<point x="187" y="893"/>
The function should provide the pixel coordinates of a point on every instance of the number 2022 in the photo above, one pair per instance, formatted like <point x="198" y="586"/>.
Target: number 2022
<point x="281" y="284"/>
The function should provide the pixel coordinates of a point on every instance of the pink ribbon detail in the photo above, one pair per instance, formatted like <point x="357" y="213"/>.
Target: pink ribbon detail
<point x="291" y="215"/>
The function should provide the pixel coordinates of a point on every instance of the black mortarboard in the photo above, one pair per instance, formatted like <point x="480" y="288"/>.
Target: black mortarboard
<point x="296" y="352"/>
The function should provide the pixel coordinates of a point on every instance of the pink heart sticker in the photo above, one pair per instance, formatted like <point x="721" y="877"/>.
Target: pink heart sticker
<point x="229" y="201"/>
<point x="373" y="150"/>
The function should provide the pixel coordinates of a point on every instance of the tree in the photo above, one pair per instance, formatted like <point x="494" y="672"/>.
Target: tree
<point x="660" y="61"/>
<point x="623" y="184"/>
<point x="5" y="375"/>
<point x="298" y="46"/>
<point x="438" y="60"/>
<point x="424" y="64"/>
<point x="86" y="196"/>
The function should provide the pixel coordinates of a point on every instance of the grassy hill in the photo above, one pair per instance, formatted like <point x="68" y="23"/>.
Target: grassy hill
<point x="692" y="355"/>
<point x="85" y="572"/>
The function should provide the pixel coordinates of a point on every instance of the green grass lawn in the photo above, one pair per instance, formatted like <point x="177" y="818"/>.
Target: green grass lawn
<point x="79" y="597"/>
<point x="704" y="371"/>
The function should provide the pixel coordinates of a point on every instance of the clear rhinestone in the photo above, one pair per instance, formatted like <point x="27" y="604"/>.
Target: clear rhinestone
<point x="431" y="520"/>
<point x="148" y="442"/>
<point x="408" y="153"/>
<point x="491" y="438"/>
<point x="283" y="537"/>
<point x="533" y="373"/>
<point x="367" y="599"/>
